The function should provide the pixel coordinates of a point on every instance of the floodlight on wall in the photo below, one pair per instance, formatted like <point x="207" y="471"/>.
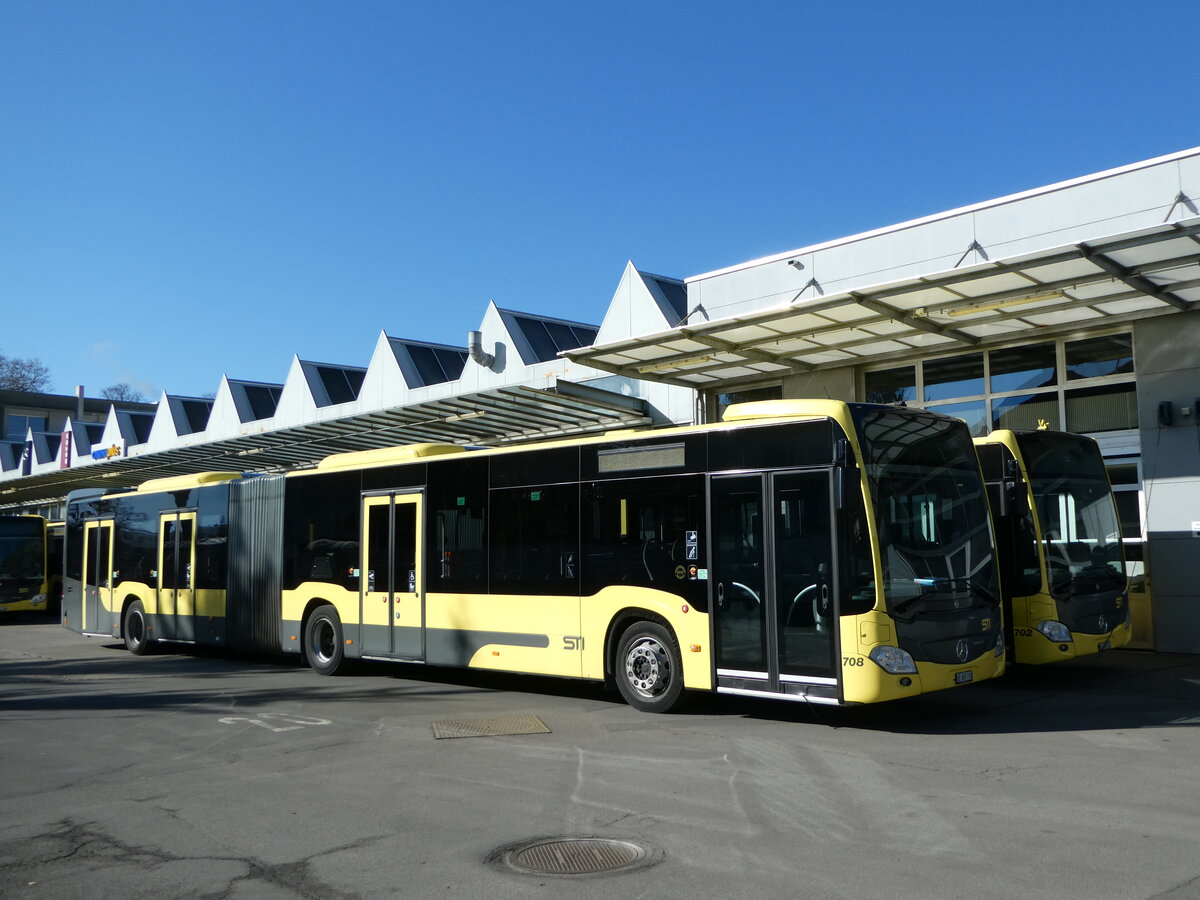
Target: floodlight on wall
<point x="988" y="306"/>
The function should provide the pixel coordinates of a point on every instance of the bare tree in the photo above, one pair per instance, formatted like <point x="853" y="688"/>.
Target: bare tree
<point x="123" y="391"/>
<point x="23" y="374"/>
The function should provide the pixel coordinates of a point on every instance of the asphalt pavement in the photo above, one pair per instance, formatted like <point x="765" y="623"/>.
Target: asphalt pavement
<point x="200" y="774"/>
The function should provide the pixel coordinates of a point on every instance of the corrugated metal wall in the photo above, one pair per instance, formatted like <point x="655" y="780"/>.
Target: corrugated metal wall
<point x="255" y="562"/>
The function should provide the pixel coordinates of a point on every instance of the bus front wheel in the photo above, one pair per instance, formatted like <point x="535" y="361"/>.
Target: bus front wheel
<point x="133" y="628"/>
<point x="323" y="645"/>
<point x="649" y="668"/>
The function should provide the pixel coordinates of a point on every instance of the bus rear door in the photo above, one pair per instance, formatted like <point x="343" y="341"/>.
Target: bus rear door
<point x="393" y="598"/>
<point x="176" y="565"/>
<point x="773" y="565"/>
<point x="97" y="575"/>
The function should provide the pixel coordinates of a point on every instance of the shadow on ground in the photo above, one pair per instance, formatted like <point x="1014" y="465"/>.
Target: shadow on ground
<point x="1119" y="690"/>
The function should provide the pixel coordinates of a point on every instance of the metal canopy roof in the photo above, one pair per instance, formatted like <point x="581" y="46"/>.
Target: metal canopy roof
<point x="1088" y="284"/>
<point x="493" y="417"/>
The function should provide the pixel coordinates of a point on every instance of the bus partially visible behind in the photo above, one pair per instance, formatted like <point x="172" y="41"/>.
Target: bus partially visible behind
<point x="30" y="572"/>
<point x="1063" y="573"/>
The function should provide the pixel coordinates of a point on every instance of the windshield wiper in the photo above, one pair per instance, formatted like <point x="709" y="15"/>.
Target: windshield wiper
<point x="945" y="587"/>
<point x="977" y="587"/>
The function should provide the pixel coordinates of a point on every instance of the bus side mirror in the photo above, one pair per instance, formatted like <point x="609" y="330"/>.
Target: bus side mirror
<point x="1008" y="497"/>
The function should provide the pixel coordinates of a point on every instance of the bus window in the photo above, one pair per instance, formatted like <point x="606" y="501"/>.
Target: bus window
<point x="647" y="532"/>
<point x="535" y="541"/>
<point x="457" y="553"/>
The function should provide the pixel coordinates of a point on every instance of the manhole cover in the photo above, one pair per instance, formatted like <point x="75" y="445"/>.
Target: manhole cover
<point x="575" y="856"/>
<point x="461" y="728"/>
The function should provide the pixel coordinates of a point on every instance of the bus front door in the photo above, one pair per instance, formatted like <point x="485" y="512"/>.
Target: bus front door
<point x="393" y="591"/>
<point x="97" y="575"/>
<point x="176" y="565"/>
<point x="773" y="568"/>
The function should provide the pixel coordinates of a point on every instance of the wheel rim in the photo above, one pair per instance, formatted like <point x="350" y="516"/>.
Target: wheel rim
<point x="135" y="628"/>
<point x="322" y="641"/>
<point x="648" y="667"/>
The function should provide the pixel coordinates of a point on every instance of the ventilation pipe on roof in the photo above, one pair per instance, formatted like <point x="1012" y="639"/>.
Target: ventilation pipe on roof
<point x="475" y="348"/>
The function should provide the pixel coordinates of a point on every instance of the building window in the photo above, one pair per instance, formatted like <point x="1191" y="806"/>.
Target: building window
<point x="1023" y="368"/>
<point x="1099" y="357"/>
<point x="724" y="401"/>
<point x="892" y="385"/>
<point x="974" y="413"/>
<point x="955" y="376"/>
<point x="1105" y="408"/>
<point x="16" y="426"/>
<point x="1026" y="411"/>
<point x="1085" y="386"/>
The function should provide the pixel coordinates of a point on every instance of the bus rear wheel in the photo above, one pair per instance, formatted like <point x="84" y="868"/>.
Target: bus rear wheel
<point x="133" y="629"/>
<point x="323" y="644"/>
<point x="649" y="668"/>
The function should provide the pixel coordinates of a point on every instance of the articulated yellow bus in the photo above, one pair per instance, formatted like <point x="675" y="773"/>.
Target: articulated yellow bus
<point x="1059" y="541"/>
<point x="30" y="564"/>
<point x="811" y="551"/>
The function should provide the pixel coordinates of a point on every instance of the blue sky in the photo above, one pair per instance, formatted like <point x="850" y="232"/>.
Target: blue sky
<point x="192" y="188"/>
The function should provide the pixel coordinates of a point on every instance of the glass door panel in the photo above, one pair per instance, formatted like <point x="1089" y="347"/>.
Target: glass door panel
<point x="393" y="602"/>
<point x="176" y="563"/>
<point x="97" y="574"/>
<point x="738" y="571"/>
<point x="803" y="557"/>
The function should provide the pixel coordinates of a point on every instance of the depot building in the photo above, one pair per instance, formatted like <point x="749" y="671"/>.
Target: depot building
<point x="1074" y="306"/>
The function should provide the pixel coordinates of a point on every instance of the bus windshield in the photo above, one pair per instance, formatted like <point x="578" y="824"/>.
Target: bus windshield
<point x="935" y="539"/>
<point x="21" y="548"/>
<point x="1081" y="535"/>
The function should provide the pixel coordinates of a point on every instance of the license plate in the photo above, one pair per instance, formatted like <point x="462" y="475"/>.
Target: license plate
<point x="1105" y="645"/>
<point x="963" y="677"/>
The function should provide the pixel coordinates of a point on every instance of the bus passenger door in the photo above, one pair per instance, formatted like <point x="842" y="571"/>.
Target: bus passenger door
<point x="176" y="565"/>
<point x="804" y="567"/>
<point x="393" y="585"/>
<point x="97" y="574"/>
<point x="773" y="568"/>
<point x="739" y="579"/>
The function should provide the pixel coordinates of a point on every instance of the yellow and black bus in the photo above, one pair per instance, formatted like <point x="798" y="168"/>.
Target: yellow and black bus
<point x="804" y="550"/>
<point x="1059" y="544"/>
<point x="30" y="564"/>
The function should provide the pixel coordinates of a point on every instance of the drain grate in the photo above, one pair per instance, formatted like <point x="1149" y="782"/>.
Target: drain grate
<point x="575" y="856"/>
<point x="464" y="728"/>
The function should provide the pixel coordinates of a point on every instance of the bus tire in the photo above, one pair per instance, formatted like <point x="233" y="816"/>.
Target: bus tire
<point x="649" y="668"/>
<point x="324" y="648"/>
<point x="133" y="629"/>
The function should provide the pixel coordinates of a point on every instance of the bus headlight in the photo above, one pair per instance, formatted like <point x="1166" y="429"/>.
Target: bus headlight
<point x="999" y="651"/>
<point x="893" y="660"/>
<point x="40" y="598"/>
<point x="1054" y="631"/>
